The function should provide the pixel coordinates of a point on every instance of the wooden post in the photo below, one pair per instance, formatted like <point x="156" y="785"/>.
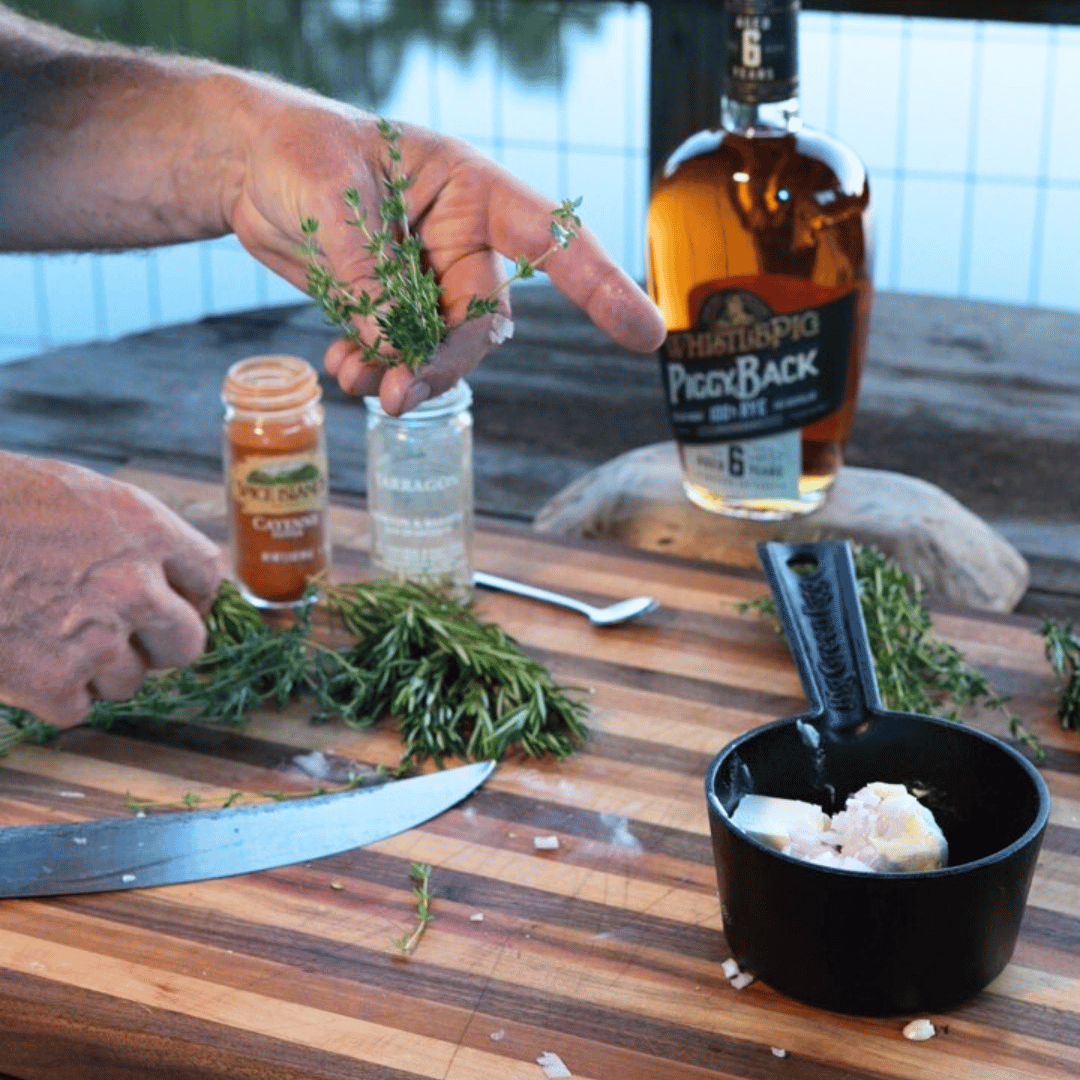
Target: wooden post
<point x="685" y="73"/>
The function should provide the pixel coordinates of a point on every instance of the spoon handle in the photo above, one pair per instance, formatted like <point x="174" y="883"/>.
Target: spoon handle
<point x="519" y="588"/>
<point x="817" y="598"/>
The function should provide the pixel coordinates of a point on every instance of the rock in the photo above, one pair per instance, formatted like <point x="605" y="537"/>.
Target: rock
<point x="637" y="499"/>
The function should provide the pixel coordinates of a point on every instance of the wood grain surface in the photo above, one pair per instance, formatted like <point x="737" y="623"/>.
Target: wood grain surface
<point x="606" y="951"/>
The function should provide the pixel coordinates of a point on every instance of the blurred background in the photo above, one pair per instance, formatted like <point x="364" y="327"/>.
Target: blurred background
<point x="969" y="130"/>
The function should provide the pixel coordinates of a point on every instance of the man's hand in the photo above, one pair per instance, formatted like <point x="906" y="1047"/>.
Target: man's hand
<point x="171" y="148"/>
<point x="306" y="152"/>
<point x="98" y="583"/>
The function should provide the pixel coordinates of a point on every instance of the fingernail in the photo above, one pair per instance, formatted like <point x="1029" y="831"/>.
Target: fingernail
<point x="418" y="392"/>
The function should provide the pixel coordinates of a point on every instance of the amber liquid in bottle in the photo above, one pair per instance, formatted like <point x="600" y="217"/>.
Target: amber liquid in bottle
<point x="763" y="209"/>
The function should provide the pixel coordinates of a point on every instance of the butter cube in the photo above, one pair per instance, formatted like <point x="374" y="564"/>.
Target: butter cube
<point x="773" y="821"/>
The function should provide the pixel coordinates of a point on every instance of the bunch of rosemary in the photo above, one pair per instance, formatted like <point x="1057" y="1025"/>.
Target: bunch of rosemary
<point x="1063" y="653"/>
<point x="406" y="308"/>
<point x="455" y="685"/>
<point x="915" y="671"/>
<point x="458" y="686"/>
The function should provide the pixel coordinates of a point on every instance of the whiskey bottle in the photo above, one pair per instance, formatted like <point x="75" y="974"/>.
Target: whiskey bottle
<point x="759" y="257"/>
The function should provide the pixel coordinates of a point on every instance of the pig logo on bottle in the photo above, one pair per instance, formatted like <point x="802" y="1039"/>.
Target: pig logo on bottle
<point x="745" y="371"/>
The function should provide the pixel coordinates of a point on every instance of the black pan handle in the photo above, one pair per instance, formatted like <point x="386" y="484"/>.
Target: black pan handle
<point x="817" y="598"/>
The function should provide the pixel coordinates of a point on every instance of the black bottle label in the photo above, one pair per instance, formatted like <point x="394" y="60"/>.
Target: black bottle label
<point x="745" y="372"/>
<point x="762" y="50"/>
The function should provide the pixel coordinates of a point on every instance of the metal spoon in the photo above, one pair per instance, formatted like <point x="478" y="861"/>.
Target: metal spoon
<point x="622" y="611"/>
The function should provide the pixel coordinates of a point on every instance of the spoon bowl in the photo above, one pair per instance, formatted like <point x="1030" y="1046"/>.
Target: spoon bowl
<point x="619" y="612"/>
<point x="622" y="611"/>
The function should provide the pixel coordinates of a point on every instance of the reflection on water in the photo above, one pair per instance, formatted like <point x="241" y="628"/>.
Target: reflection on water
<point x="353" y="50"/>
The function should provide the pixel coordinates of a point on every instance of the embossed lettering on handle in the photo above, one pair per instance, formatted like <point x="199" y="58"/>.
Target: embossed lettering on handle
<point x="817" y="599"/>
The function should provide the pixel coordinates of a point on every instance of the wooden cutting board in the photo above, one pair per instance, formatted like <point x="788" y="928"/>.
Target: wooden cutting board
<point x="606" y="951"/>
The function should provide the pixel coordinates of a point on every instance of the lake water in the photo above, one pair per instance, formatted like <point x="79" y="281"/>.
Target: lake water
<point x="968" y="129"/>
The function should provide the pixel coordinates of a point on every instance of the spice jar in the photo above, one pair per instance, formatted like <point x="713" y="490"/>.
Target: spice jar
<point x="275" y="477"/>
<point x="420" y="491"/>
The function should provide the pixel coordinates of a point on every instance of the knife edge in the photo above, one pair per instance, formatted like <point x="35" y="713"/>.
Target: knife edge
<point x="115" y="854"/>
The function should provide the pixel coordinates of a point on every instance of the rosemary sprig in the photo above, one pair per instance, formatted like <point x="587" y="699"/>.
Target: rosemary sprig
<point x="1063" y="653"/>
<point x="915" y="671"/>
<point x="420" y="875"/>
<point x="456" y="686"/>
<point x="406" y="307"/>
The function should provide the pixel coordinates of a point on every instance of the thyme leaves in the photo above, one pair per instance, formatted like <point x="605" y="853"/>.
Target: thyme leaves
<point x="420" y="875"/>
<point x="406" y="307"/>
<point x="1062" y="648"/>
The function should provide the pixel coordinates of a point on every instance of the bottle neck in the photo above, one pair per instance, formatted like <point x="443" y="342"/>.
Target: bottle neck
<point x="760" y="118"/>
<point x="761" y="85"/>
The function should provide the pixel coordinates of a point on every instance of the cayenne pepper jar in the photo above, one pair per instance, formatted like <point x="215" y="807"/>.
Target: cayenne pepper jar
<point x="275" y="477"/>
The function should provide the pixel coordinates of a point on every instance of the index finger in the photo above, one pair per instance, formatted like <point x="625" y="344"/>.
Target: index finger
<point x="519" y="223"/>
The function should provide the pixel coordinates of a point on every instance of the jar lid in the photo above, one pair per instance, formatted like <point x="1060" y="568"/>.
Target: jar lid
<point x="457" y="399"/>
<point x="271" y="384"/>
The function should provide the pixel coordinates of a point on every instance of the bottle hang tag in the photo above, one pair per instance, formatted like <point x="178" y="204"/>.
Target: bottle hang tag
<point x="762" y="50"/>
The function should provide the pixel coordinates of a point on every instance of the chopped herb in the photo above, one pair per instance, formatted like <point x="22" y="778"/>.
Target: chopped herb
<point x="420" y="875"/>
<point x="1063" y="654"/>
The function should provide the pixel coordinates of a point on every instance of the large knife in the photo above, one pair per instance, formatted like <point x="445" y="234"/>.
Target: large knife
<point x="135" y="853"/>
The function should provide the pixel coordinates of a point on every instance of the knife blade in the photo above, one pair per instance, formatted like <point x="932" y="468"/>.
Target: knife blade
<point x="136" y="853"/>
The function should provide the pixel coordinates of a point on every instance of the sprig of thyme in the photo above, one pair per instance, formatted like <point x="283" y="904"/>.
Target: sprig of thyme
<point x="915" y="671"/>
<point x="455" y="685"/>
<point x="406" y="307"/>
<point x="1063" y="653"/>
<point x="420" y="875"/>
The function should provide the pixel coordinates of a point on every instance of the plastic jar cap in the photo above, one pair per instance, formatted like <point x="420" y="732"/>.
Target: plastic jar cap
<point x="456" y="399"/>
<point x="271" y="384"/>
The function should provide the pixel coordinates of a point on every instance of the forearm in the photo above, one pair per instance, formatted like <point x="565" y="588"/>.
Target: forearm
<point x="102" y="146"/>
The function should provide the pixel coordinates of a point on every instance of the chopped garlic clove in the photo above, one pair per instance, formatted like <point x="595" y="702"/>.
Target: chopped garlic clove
<point x="882" y="827"/>
<point x="919" y="1030"/>
<point x="502" y="329"/>
<point x="553" y="1066"/>
<point x="546" y="843"/>
<point x="908" y="838"/>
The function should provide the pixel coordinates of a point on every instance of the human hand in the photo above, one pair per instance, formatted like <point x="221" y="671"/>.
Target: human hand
<point x="98" y="583"/>
<point x="468" y="212"/>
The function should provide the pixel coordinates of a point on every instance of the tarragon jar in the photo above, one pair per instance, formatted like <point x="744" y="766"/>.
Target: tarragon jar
<point x="275" y="477"/>
<point x="420" y="491"/>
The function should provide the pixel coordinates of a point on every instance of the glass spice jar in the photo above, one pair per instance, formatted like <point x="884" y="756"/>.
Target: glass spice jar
<point x="420" y="491"/>
<point x="275" y="478"/>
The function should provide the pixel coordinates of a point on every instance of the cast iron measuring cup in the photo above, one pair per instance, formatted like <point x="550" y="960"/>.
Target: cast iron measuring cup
<point x="873" y="943"/>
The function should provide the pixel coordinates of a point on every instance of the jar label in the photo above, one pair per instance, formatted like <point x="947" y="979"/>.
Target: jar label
<point x="762" y="59"/>
<point x="280" y="484"/>
<point x="745" y="371"/>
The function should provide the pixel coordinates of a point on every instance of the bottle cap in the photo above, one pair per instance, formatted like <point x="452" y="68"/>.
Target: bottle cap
<point x="271" y="384"/>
